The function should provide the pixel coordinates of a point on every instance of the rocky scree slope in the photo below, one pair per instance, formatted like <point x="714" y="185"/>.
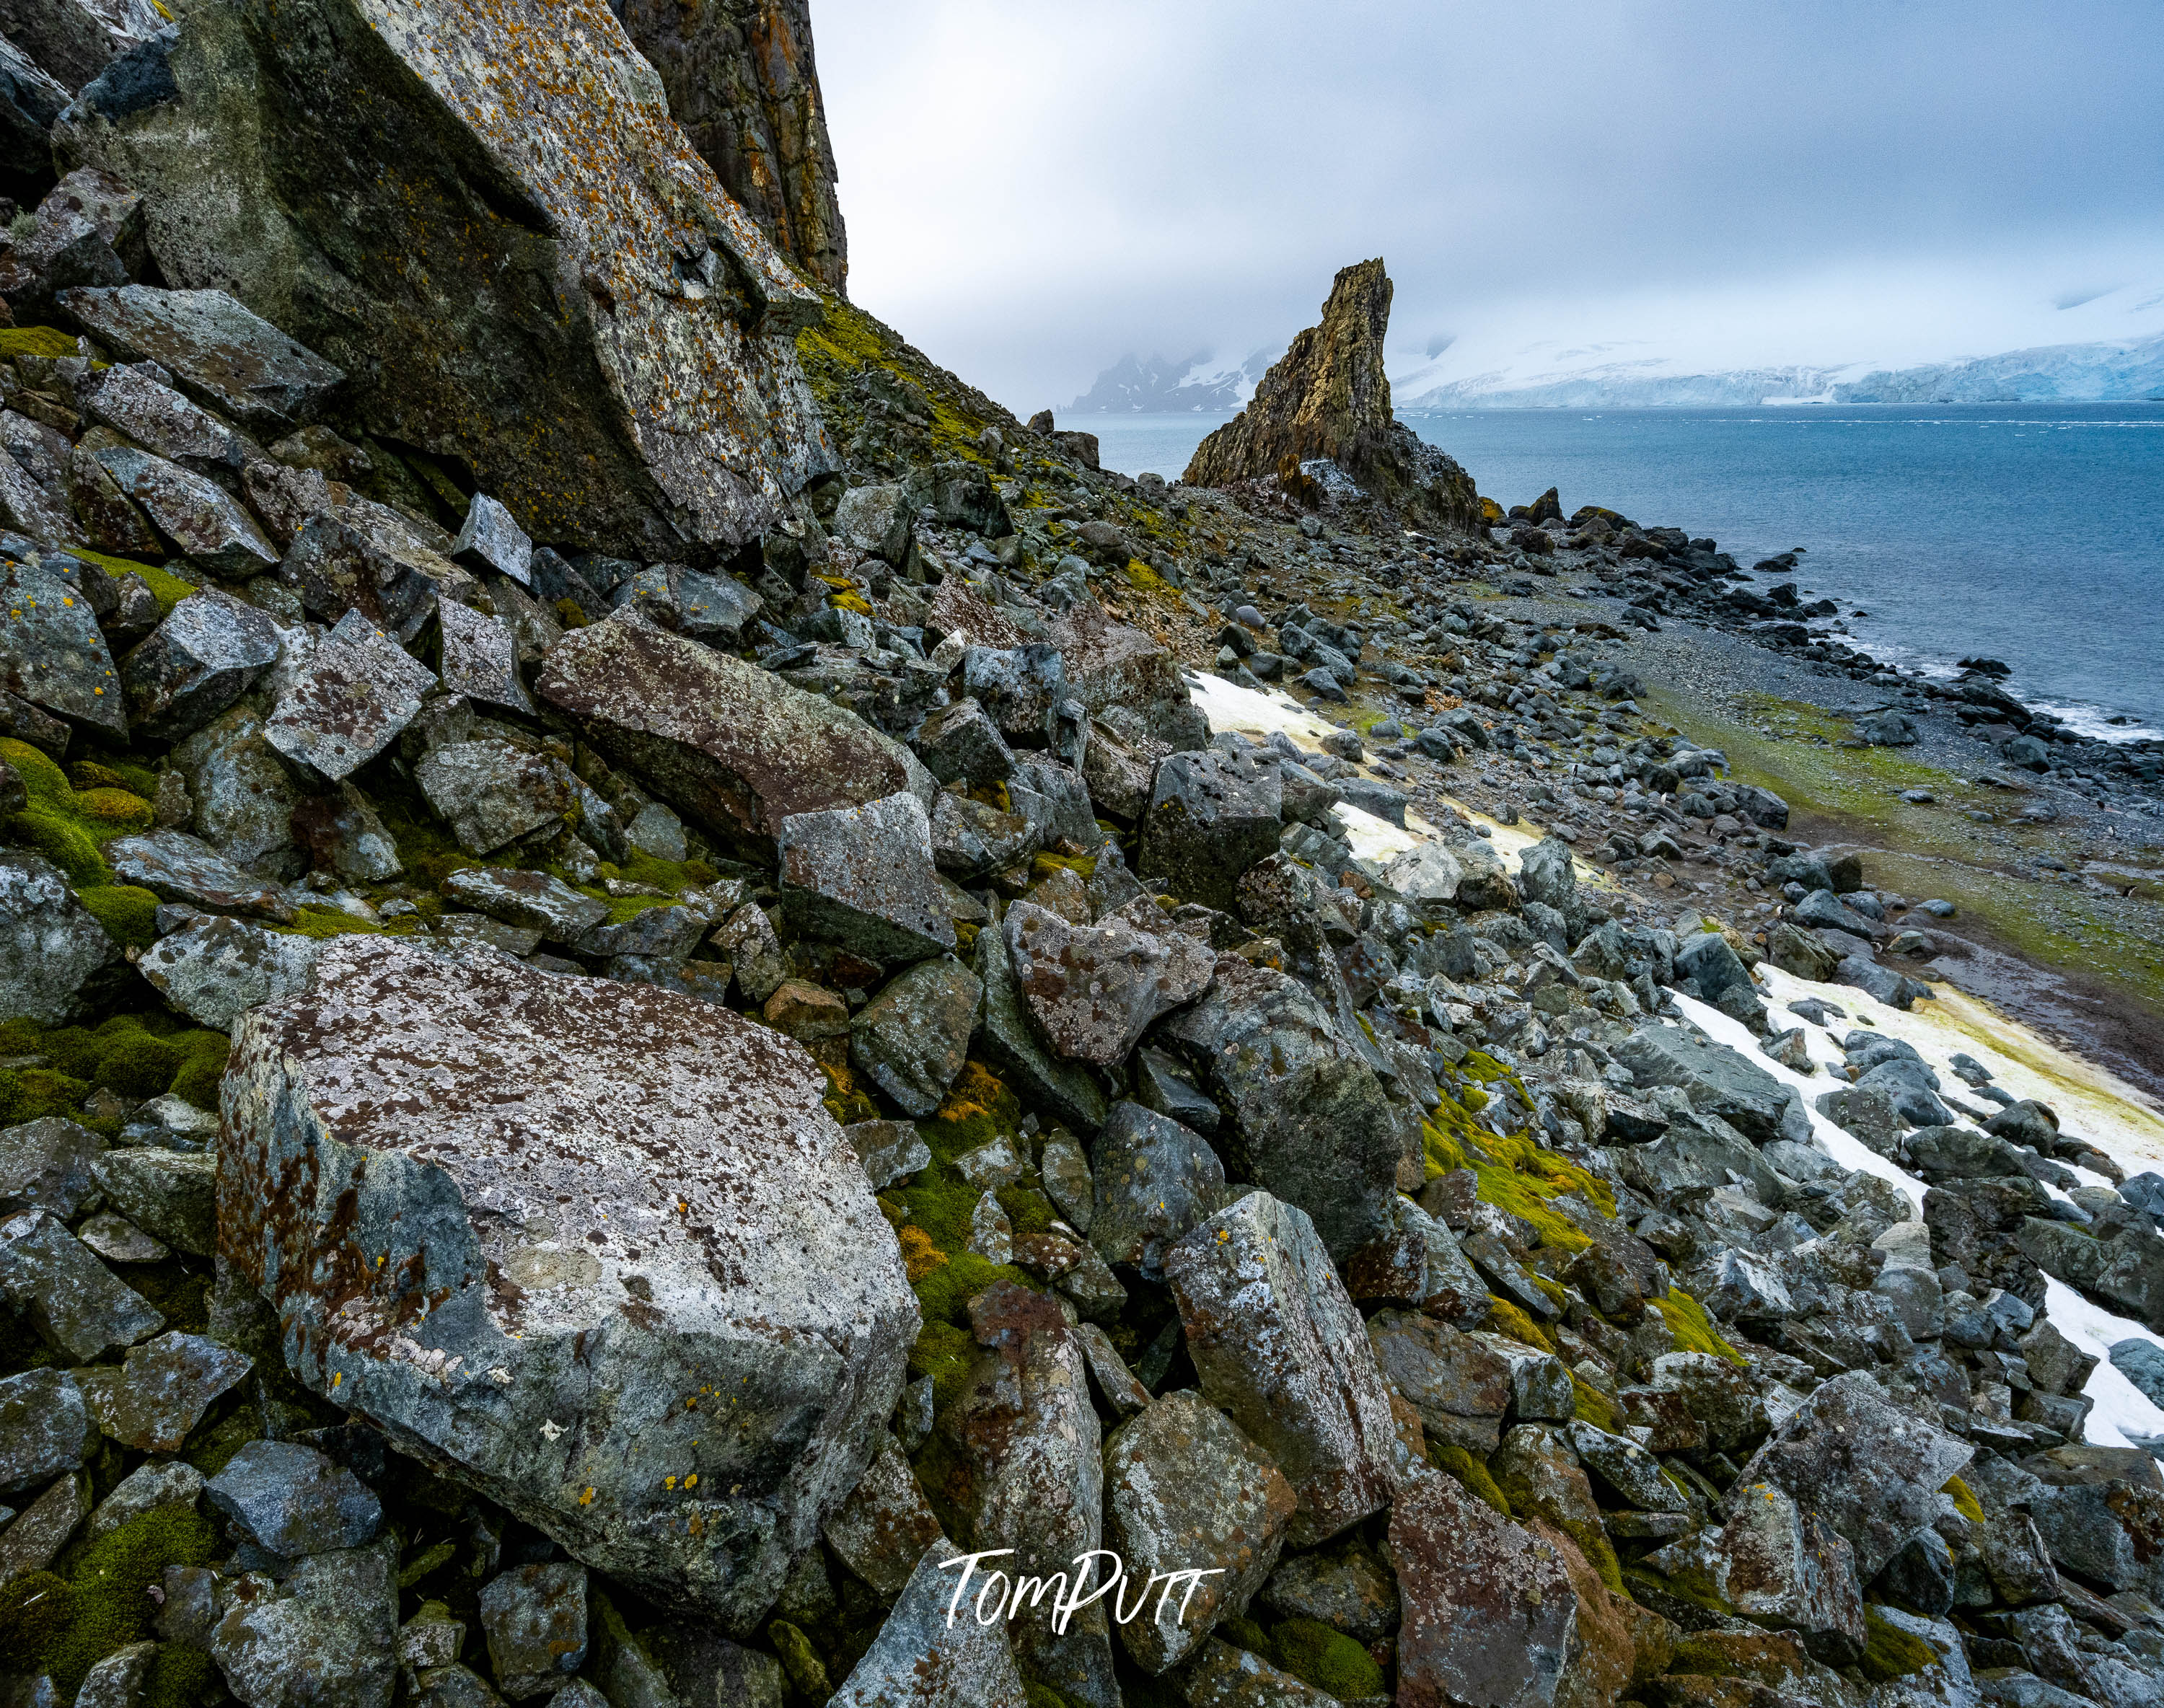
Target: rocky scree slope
<point x="576" y="1124"/>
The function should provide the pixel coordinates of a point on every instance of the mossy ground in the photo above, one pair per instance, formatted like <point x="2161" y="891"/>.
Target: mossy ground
<point x="1843" y="793"/>
<point x="63" y="1623"/>
<point x="135" y="1056"/>
<point x="1329" y="1660"/>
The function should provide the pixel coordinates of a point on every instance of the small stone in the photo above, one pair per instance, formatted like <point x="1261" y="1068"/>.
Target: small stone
<point x="118" y="1681"/>
<point x="656" y="830"/>
<point x="920" y="1659"/>
<point x="56" y="962"/>
<point x="885" y="1525"/>
<point x="216" y="970"/>
<point x="120" y="1240"/>
<point x="177" y="867"/>
<point x="72" y="1300"/>
<point x="168" y="1122"/>
<point x="535" y="1619"/>
<point x="326" y="1636"/>
<point x="1064" y="1171"/>
<point x="42" y="1528"/>
<point x="959" y="742"/>
<point x="911" y="1039"/>
<point x="52" y="652"/>
<point x="747" y="941"/>
<point x="148" y="1486"/>
<point x="293" y="1501"/>
<point x="208" y="652"/>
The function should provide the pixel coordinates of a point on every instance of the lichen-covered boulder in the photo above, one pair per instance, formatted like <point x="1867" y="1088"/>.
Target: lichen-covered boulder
<point x="214" y="970"/>
<point x="863" y="877"/>
<point x="1212" y="816"/>
<point x="350" y="699"/>
<point x="235" y="361"/>
<point x="1094" y="990"/>
<point x="204" y="656"/>
<point x="731" y="746"/>
<point x="52" y="652"/>
<point x="601" y="330"/>
<point x="604" y="1257"/>
<point x="1282" y="1351"/>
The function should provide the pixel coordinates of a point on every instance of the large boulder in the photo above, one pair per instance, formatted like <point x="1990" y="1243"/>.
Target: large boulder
<point x="1116" y="665"/>
<point x="1310" y="1120"/>
<point x="1718" y="1080"/>
<point x="1212" y="816"/>
<point x="600" y="1206"/>
<point x="731" y="746"/>
<point x="554" y="283"/>
<point x="863" y="877"/>
<point x="1282" y="1351"/>
<point x="1151" y="1180"/>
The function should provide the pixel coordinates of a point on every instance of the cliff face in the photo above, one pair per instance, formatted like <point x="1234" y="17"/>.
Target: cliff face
<point x="741" y="82"/>
<point x="1330" y="397"/>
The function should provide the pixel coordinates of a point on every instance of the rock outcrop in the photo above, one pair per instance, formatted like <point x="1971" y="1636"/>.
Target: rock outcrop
<point x="741" y="82"/>
<point x="1327" y="399"/>
<point x="486" y="217"/>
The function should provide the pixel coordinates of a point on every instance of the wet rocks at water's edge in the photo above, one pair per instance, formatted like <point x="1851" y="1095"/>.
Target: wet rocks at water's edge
<point x="602" y="1073"/>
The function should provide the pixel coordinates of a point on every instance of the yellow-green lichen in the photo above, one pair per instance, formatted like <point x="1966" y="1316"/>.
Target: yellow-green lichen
<point x="1693" y="1328"/>
<point x="1964" y="1499"/>
<point x="1446" y="1456"/>
<point x="1890" y="1652"/>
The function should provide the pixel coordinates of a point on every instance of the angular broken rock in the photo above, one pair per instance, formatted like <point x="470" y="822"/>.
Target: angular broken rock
<point x="1460" y="1383"/>
<point x="491" y="540"/>
<point x="922" y="1659"/>
<point x="347" y="703"/>
<point x="1488" y="1614"/>
<point x="492" y="792"/>
<point x="911" y="1039"/>
<point x="1152" y="1181"/>
<point x="169" y="1194"/>
<point x="1282" y="1352"/>
<point x="1778" y="1565"/>
<point x="883" y="1528"/>
<point x="648" y="397"/>
<point x="1718" y="1081"/>
<point x="1065" y="1089"/>
<point x="236" y="362"/>
<point x="45" y="1428"/>
<point x="56" y="962"/>
<point x="203" y="522"/>
<point x="1310" y="1120"/>
<point x="552" y="907"/>
<point x="480" y="658"/>
<point x="137" y="404"/>
<point x="208" y="652"/>
<point x="327" y="1633"/>
<point x="586" y="1184"/>
<point x="52" y="652"/>
<point x="1212" y="816"/>
<point x="730" y="745"/>
<point x="1870" y="1469"/>
<point x="1094" y="990"/>
<point x="863" y="877"/>
<point x="534" y="1617"/>
<point x="160" y="1392"/>
<point x="215" y="969"/>
<point x="243" y="795"/>
<point x="44" y="1164"/>
<point x="1185" y="1491"/>
<point x="72" y="1300"/>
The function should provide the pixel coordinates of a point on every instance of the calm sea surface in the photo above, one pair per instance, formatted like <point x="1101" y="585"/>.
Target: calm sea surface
<point x="2030" y="533"/>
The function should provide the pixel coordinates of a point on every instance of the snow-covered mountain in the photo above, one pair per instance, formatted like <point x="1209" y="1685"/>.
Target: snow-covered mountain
<point x="1159" y="387"/>
<point x="1651" y="382"/>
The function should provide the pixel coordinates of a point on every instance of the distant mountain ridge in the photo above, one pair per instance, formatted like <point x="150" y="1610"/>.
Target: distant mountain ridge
<point x="2066" y="373"/>
<point x="1159" y="387"/>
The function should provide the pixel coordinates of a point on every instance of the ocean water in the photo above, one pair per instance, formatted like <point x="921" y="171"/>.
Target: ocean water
<point x="2029" y="533"/>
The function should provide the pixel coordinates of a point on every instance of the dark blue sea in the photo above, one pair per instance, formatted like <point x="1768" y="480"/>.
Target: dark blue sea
<point x="2029" y="533"/>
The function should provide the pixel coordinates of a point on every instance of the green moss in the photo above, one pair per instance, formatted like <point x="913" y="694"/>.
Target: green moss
<point x="807" y="1673"/>
<point x="1512" y="1322"/>
<point x="129" y="914"/>
<point x="1693" y="1328"/>
<point x="201" y="1074"/>
<point x="1890" y="1652"/>
<point x="1459" y="1461"/>
<point x="65" y="844"/>
<point x="1042" y="1696"/>
<point x="31" y="1093"/>
<point x="324" y="922"/>
<point x="1964" y="1499"/>
<point x="1028" y="1210"/>
<point x="136" y="1055"/>
<point x="1331" y="1661"/>
<point x="1593" y="1407"/>
<point x="66" y="1625"/>
<point x="167" y="588"/>
<point x="47" y="341"/>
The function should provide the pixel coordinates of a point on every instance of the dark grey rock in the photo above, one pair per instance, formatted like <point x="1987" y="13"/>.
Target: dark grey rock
<point x="44" y="1164"/>
<point x="970" y="838"/>
<point x="480" y="658"/>
<point x="1093" y="990"/>
<point x="960" y="743"/>
<point x="493" y="793"/>
<point x="1162" y="1083"/>
<point x="159" y="1394"/>
<point x="490" y="539"/>
<point x="1718" y="1080"/>
<point x="1212" y="816"/>
<point x="53" y="654"/>
<point x="72" y="1300"/>
<point x="45" y="1428"/>
<point x="57" y="964"/>
<point x="883" y="1528"/>
<point x="292" y="1501"/>
<point x="326" y="1636"/>
<point x="1018" y="687"/>
<point x="348" y="701"/>
<point x="551" y="905"/>
<point x="208" y="652"/>
<point x="911" y="1039"/>
<point x="863" y="877"/>
<point x="231" y="360"/>
<point x="1011" y="1043"/>
<point x="168" y="1194"/>
<point x="1460" y="1383"/>
<point x="202" y="522"/>
<point x="920" y="1660"/>
<point x="1153" y="1180"/>
<point x="535" y="1619"/>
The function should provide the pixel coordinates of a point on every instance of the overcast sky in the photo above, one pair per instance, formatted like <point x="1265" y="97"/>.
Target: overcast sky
<point x="1033" y="191"/>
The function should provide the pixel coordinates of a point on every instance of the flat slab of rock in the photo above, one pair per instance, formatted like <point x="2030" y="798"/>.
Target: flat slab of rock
<point x="920" y="1660"/>
<point x="548" y="904"/>
<point x="1094" y="990"/>
<point x="197" y="516"/>
<point x="175" y="866"/>
<point x="730" y="745"/>
<point x="347" y="703"/>
<point x="162" y="1390"/>
<point x="45" y="1428"/>
<point x="1282" y="1352"/>
<point x="72" y="1300"/>
<point x="1718" y="1080"/>
<point x="601" y="1189"/>
<point x="235" y="361"/>
<point x="215" y="969"/>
